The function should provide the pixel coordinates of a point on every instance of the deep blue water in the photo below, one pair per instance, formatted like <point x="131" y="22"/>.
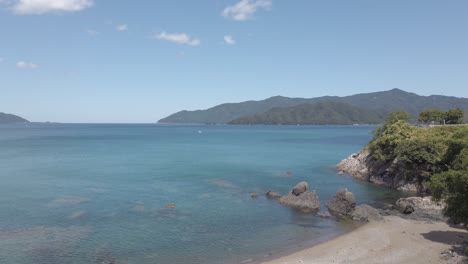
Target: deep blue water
<point x="99" y="193"/>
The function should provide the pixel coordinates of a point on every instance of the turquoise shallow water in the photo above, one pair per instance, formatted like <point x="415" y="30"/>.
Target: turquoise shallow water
<point x="98" y="193"/>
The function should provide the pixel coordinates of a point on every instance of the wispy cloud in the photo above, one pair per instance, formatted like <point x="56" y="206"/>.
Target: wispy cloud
<point x="26" y="65"/>
<point x="122" y="27"/>
<point x="229" y="40"/>
<point x="92" y="32"/>
<point x="245" y="9"/>
<point x="180" y="38"/>
<point x="27" y="7"/>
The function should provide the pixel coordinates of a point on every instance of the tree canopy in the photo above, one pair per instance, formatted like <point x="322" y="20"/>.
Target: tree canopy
<point x="438" y="155"/>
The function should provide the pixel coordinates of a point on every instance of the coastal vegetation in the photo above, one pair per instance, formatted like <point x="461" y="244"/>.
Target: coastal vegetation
<point x="452" y="116"/>
<point x="437" y="155"/>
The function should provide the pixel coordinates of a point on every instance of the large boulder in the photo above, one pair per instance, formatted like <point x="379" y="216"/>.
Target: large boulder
<point x="306" y="202"/>
<point x="366" y="213"/>
<point x="343" y="203"/>
<point x="300" y="188"/>
<point x="411" y="204"/>
<point x="298" y="197"/>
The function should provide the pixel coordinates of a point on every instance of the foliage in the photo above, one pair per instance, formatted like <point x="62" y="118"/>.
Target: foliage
<point x="454" y="116"/>
<point x="388" y="138"/>
<point x="396" y="116"/>
<point x="431" y="115"/>
<point x="437" y="155"/>
<point x="452" y="187"/>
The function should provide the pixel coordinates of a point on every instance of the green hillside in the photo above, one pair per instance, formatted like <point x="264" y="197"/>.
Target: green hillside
<point x="323" y="113"/>
<point x="391" y="100"/>
<point x="9" y="119"/>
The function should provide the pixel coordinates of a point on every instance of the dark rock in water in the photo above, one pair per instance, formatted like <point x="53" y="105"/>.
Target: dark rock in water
<point x="324" y="214"/>
<point x="299" y="197"/>
<point x="300" y="188"/>
<point x="273" y="195"/>
<point x="306" y="202"/>
<point x="253" y="195"/>
<point x="343" y="203"/>
<point x="366" y="213"/>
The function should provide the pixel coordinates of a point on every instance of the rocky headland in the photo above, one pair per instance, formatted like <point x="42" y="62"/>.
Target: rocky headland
<point x="391" y="174"/>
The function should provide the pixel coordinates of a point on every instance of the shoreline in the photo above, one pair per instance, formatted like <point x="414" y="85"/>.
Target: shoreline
<point x="394" y="240"/>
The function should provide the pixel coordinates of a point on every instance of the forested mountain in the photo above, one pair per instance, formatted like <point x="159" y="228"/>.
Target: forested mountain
<point x="9" y="119"/>
<point x="391" y="100"/>
<point x="322" y="113"/>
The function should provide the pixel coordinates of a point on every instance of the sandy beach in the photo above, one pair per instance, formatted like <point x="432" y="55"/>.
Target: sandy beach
<point x="395" y="240"/>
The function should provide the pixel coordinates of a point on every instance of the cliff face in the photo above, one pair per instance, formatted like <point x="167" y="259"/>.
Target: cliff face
<point x="391" y="174"/>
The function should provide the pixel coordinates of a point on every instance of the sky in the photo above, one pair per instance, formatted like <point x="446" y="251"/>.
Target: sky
<point x="123" y="61"/>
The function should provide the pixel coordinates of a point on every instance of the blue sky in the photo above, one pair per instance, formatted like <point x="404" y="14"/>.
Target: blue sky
<point x="138" y="61"/>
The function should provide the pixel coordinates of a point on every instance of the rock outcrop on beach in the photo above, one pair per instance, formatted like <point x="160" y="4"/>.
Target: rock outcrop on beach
<point x="391" y="174"/>
<point x="417" y="208"/>
<point x="299" y="197"/>
<point x="421" y="207"/>
<point x="343" y="204"/>
<point x="366" y="213"/>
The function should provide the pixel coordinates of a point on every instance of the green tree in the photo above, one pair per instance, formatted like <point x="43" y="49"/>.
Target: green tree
<point x="431" y="115"/>
<point x="452" y="187"/>
<point x="454" y="116"/>
<point x="396" y="116"/>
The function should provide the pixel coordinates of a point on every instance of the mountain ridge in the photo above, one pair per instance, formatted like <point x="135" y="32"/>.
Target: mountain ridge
<point x="10" y="119"/>
<point x="390" y="100"/>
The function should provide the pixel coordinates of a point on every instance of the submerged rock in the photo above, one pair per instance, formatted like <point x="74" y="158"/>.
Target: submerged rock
<point x="253" y="195"/>
<point x="324" y="214"/>
<point x="366" y="213"/>
<point x="273" y="195"/>
<point x="343" y="203"/>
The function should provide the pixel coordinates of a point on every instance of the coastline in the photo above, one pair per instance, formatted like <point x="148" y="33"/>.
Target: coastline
<point x="394" y="240"/>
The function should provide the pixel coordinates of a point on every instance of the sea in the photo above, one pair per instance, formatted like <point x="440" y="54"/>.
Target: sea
<point x="175" y="194"/>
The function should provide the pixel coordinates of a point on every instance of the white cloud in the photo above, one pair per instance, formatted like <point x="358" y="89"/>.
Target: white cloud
<point x="122" y="27"/>
<point x="26" y="7"/>
<point x="245" y="9"/>
<point x="229" y="40"/>
<point x="92" y="32"/>
<point x="26" y="65"/>
<point x="180" y="38"/>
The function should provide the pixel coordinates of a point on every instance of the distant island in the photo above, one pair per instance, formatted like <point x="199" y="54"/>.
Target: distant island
<point x="366" y="108"/>
<point x="11" y="119"/>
